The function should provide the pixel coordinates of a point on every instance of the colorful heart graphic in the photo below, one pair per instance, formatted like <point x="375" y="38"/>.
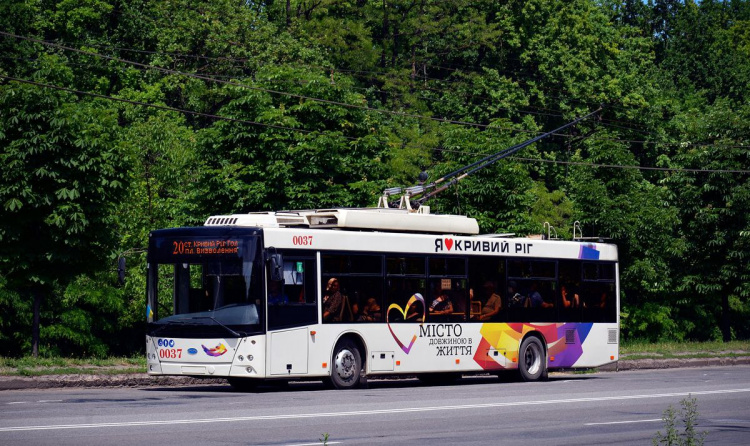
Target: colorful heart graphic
<point x="416" y="297"/>
<point x="449" y="243"/>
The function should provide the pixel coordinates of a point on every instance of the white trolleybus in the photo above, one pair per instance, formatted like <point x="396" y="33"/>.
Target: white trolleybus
<point x="343" y="294"/>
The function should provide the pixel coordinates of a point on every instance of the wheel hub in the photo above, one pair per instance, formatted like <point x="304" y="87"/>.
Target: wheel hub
<point x="533" y="359"/>
<point x="344" y="364"/>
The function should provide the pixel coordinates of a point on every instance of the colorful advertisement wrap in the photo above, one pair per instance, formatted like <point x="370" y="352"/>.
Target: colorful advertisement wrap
<point x="564" y="341"/>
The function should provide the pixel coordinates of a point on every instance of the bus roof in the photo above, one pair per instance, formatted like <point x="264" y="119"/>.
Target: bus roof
<point x="376" y="219"/>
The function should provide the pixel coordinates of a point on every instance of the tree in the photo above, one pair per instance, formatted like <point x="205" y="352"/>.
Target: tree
<point x="715" y="216"/>
<point x="302" y="153"/>
<point x="60" y="179"/>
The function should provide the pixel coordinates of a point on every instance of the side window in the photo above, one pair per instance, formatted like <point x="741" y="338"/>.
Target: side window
<point x="352" y="288"/>
<point x="448" y="294"/>
<point x="405" y="278"/>
<point x="400" y="291"/>
<point x="487" y="289"/>
<point x="598" y="292"/>
<point x="292" y="302"/>
<point x="532" y="289"/>
<point x="569" y="301"/>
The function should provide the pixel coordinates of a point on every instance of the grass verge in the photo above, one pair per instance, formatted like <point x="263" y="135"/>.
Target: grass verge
<point x="664" y="350"/>
<point x="28" y="366"/>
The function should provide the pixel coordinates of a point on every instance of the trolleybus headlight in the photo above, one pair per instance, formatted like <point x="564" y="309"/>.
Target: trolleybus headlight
<point x="249" y="357"/>
<point x="241" y="358"/>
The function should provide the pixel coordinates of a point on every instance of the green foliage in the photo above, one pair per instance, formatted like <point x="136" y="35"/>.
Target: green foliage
<point x="324" y="438"/>
<point x="306" y="104"/>
<point x="15" y="321"/>
<point x="650" y="321"/>
<point x="688" y="414"/>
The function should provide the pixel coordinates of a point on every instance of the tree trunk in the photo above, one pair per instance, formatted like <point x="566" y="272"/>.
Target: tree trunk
<point x="726" y="330"/>
<point x="288" y="13"/>
<point x="37" y="294"/>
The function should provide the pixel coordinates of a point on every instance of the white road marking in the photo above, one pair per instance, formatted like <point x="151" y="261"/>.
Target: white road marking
<point x="368" y="412"/>
<point x="40" y="401"/>
<point x="314" y="444"/>
<point x="623" y="422"/>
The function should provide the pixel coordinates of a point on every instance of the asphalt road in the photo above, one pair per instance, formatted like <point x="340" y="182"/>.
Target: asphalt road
<point x="603" y="408"/>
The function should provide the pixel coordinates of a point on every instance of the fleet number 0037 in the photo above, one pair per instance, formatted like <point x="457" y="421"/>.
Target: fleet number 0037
<point x="302" y="240"/>
<point x="170" y="353"/>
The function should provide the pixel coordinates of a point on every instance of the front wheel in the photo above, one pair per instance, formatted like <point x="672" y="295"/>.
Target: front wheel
<point x="347" y="365"/>
<point x="532" y="363"/>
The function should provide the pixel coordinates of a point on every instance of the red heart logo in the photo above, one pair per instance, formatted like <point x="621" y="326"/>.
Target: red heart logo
<point x="416" y="297"/>
<point x="449" y="243"/>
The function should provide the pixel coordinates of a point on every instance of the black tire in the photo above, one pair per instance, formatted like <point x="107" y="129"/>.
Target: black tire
<point x="346" y="365"/>
<point x="243" y="384"/>
<point x="532" y="362"/>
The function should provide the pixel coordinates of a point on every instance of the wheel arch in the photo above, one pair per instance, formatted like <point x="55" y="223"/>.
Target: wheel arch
<point x="538" y="334"/>
<point x="359" y="341"/>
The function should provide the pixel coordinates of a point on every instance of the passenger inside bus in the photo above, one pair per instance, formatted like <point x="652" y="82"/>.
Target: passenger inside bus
<point x="441" y="305"/>
<point x="332" y="301"/>
<point x="371" y="312"/>
<point x="515" y="299"/>
<point x="598" y="303"/>
<point x="415" y="312"/>
<point x="275" y="294"/>
<point x="570" y="298"/>
<point x="535" y="299"/>
<point x="493" y="303"/>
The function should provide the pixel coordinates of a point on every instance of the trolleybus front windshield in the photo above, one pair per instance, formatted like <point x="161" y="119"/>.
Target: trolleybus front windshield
<point x="204" y="283"/>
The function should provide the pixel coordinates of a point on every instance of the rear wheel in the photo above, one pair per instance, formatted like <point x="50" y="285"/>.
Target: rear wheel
<point x="347" y="365"/>
<point x="532" y="363"/>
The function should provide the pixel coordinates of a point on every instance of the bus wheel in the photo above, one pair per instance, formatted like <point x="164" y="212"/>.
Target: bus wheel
<point x="243" y="384"/>
<point x="347" y="365"/>
<point x="532" y="364"/>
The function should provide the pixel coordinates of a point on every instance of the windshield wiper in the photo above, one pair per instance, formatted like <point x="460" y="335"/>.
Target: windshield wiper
<point x="166" y="325"/>
<point x="229" y="330"/>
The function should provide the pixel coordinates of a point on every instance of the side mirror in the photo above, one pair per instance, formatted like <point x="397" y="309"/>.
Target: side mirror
<point x="277" y="267"/>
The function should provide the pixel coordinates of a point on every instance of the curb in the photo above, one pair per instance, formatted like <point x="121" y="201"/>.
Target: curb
<point x="673" y="363"/>
<point x="144" y="380"/>
<point x="94" y="381"/>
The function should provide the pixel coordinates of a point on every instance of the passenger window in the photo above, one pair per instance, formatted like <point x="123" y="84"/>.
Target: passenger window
<point x="448" y="300"/>
<point x="598" y="292"/>
<point x="531" y="300"/>
<point x="487" y="289"/>
<point x="569" y="301"/>
<point x="400" y="292"/>
<point x="405" y="266"/>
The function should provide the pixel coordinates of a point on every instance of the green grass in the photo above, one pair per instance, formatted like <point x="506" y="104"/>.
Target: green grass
<point x="74" y="371"/>
<point x="29" y="366"/>
<point x="657" y="350"/>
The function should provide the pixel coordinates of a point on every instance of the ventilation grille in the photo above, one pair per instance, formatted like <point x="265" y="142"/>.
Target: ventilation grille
<point x="570" y="336"/>
<point x="612" y="336"/>
<point x="291" y="221"/>
<point x="221" y="221"/>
